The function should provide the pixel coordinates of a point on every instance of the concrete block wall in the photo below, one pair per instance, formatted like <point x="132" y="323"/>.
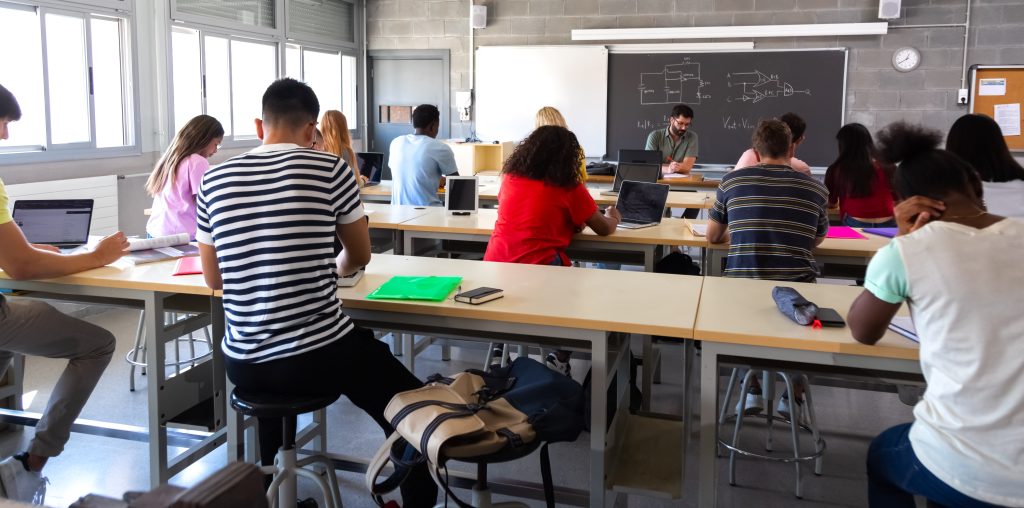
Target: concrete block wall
<point x="877" y="94"/>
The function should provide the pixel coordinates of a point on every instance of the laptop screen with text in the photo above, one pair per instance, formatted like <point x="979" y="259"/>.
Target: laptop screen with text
<point x="54" y="221"/>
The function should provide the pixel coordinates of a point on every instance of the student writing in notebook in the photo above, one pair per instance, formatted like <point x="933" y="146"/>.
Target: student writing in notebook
<point x="174" y="181"/>
<point x="965" y="447"/>
<point x="859" y="183"/>
<point x="542" y="203"/>
<point x="33" y="327"/>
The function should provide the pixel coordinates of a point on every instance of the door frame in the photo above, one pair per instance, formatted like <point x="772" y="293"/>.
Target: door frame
<point x="443" y="55"/>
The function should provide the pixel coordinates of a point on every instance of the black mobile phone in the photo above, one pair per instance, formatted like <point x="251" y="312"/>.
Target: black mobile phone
<point x="829" y="317"/>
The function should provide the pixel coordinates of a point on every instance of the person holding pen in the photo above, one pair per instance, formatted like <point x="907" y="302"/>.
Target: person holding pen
<point x="677" y="142"/>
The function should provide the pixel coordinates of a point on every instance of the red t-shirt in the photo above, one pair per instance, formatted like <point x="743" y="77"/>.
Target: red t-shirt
<point x="876" y="205"/>
<point x="536" y="221"/>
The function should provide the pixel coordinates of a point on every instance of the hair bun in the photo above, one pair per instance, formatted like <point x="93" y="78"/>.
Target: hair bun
<point x="901" y="141"/>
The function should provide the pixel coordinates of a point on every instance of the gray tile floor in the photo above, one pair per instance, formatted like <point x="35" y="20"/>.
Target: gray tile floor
<point x="89" y="464"/>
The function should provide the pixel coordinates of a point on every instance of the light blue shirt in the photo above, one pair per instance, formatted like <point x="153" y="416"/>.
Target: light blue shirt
<point x="417" y="164"/>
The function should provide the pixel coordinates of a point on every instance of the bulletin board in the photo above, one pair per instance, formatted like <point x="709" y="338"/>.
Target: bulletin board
<point x="997" y="91"/>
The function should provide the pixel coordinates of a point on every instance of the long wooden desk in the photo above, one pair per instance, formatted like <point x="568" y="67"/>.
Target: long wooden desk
<point x="737" y="318"/>
<point x="649" y="242"/>
<point x="676" y="182"/>
<point x="833" y="250"/>
<point x="550" y="306"/>
<point x="489" y="194"/>
<point x="151" y="287"/>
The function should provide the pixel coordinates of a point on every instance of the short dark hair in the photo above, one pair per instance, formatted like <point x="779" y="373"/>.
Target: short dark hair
<point x="772" y="138"/>
<point x="424" y="115"/>
<point x="9" y="107"/>
<point x="797" y="125"/>
<point x="978" y="140"/>
<point x="290" y="102"/>
<point x="551" y="154"/>
<point x="682" y="110"/>
<point x="924" y="169"/>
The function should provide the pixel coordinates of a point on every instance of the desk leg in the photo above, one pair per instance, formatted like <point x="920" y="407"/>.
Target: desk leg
<point x="717" y="259"/>
<point x="598" y="420"/>
<point x="155" y="332"/>
<point x="409" y="351"/>
<point x="708" y="424"/>
<point x="407" y="241"/>
<point x="399" y="241"/>
<point x="648" y="372"/>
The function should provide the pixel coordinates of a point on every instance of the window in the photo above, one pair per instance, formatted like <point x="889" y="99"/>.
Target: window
<point x="331" y="74"/>
<point x="71" y="76"/>
<point x="220" y="76"/>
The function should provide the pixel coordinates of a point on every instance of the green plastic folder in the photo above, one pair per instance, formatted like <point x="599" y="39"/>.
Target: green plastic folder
<point x="434" y="289"/>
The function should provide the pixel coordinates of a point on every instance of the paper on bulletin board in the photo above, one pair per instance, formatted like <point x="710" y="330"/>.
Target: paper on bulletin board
<point x="1008" y="118"/>
<point x="992" y="86"/>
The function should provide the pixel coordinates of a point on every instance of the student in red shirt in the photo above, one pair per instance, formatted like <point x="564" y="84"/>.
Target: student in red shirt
<point x="858" y="183"/>
<point x="542" y="204"/>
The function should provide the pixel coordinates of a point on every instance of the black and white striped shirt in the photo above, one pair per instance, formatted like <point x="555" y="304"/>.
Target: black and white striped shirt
<point x="271" y="214"/>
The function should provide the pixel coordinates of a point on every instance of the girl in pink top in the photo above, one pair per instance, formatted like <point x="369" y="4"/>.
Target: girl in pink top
<point x="175" y="180"/>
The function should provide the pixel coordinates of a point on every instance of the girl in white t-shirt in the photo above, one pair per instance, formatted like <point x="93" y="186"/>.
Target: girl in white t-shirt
<point x="957" y="267"/>
<point x="978" y="140"/>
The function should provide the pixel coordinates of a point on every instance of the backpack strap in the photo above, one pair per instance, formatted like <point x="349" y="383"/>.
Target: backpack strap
<point x="545" y="474"/>
<point x="435" y="472"/>
<point x="376" y="466"/>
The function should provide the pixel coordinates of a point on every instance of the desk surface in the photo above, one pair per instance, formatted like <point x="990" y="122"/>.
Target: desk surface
<point x="673" y="181"/>
<point x="388" y="216"/>
<point x="581" y="298"/>
<point x="489" y="192"/>
<point x="670" y="232"/>
<point x="147" y="277"/>
<point x="866" y="247"/>
<point x="741" y="311"/>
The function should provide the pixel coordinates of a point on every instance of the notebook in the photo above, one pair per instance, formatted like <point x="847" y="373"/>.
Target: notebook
<point x="62" y="223"/>
<point x="371" y="165"/>
<point x="886" y="232"/>
<point x="641" y="204"/>
<point x="904" y="326"/>
<point x="191" y="265"/>
<point x="844" y="233"/>
<point x="635" y="172"/>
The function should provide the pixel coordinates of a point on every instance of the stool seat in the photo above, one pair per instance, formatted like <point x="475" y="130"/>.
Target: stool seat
<point x="267" y="405"/>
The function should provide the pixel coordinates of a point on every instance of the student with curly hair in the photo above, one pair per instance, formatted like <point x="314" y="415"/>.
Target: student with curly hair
<point x="964" y="447"/>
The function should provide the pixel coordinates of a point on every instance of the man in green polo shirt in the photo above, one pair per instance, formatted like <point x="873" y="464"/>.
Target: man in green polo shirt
<point x="677" y="143"/>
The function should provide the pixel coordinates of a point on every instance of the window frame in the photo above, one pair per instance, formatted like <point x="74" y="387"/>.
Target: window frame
<point x="342" y="51"/>
<point x="49" y="152"/>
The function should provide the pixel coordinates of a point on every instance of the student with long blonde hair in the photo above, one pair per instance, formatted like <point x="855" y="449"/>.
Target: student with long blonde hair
<point x="175" y="180"/>
<point x="337" y="140"/>
<point x="551" y="116"/>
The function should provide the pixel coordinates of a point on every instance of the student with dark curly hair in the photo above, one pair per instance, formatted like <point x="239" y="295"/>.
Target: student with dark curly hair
<point x="978" y="140"/>
<point x="955" y="265"/>
<point x="542" y="204"/>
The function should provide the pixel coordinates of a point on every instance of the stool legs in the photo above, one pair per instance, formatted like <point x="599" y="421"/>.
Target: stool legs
<point x="283" y="490"/>
<point x="794" y="419"/>
<point x="739" y="424"/>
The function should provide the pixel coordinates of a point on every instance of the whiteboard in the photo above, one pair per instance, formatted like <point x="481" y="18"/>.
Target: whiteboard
<point x="513" y="82"/>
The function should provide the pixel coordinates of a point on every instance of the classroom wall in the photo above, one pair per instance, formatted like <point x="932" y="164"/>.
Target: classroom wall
<point x="877" y="94"/>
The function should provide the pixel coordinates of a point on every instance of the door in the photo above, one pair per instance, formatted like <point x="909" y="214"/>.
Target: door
<point x="400" y="81"/>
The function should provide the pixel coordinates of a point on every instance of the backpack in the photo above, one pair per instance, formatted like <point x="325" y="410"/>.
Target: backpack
<point x="476" y="414"/>
<point x="677" y="263"/>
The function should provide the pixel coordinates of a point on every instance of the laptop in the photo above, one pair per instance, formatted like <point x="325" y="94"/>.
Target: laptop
<point x="636" y="172"/>
<point x="641" y="204"/>
<point x="640" y="156"/>
<point x="62" y="223"/>
<point x="371" y="165"/>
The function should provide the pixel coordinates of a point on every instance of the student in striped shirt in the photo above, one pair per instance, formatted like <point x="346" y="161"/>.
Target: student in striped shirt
<point x="267" y="221"/>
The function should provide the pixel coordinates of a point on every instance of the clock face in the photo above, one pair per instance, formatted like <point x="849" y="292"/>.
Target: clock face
<point x="906" y="59"/>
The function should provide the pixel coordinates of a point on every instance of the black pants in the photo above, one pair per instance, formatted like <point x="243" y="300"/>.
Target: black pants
<point x="357" y="366"/>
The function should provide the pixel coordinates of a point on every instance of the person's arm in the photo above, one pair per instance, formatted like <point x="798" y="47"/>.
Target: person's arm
<point x="605" y="223"/>
<point x="446" y="163"/>
<point x="355" y="242"/>
<point x="683" y="167"/>
<point x="717" y="232"/>
<point x="885" y="289"/>
<point x="718" y="215"/>
<point x="916" y="211"/>
<point x="23" y="261"/>
<point x="748" y="158"/>
<point x="211" y="270"/>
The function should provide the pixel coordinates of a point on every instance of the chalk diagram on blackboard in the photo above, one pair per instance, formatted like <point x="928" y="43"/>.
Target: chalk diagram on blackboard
<point x="757" y="86"/>
<point x="676" y="83"/>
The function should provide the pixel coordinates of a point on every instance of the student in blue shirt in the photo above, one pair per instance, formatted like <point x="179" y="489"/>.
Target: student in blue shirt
<point x="419" y="162"/>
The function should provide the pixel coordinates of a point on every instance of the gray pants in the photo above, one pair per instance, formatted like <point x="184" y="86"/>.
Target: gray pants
<point x="37" y="329"/>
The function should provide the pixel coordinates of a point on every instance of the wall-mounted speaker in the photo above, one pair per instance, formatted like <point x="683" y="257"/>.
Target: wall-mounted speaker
<point x="888" y="9"/>
<point x="478" y="16"/>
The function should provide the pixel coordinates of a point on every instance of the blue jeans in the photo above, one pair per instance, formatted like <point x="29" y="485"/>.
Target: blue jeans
<point x="895" y="475"/>
<point x="854" y="223"/>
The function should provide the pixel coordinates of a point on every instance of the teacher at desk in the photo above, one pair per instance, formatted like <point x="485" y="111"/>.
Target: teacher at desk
<point x="677" y="143"/>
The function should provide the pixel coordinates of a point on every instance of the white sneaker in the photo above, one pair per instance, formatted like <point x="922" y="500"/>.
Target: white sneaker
<point x="755" y="404"/>
<point x="557" y="365"/>
<point x="785" y="411"/>
<point x="20" y="484"/>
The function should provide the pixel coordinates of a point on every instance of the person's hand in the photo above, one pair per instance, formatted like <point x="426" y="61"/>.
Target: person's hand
<point x="674" y="167"/>
<point x="111" y="248"/>
<point x="916" y="211"/>
<point x="47" y="248"/>
<point x="613" y="213"/>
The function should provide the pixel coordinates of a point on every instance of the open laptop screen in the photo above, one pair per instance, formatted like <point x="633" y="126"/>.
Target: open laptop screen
<point x="60" y="222"/>
<point x="641" y="156"/>
<point x="637" y="173"/>
<point x="371" y="165"/>
<point x="642" y="202"/>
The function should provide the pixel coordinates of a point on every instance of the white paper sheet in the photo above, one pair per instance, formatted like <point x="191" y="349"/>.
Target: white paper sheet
<point x="992" y="86"/>
<point x="1008" y="118"/>
<point x="904" y="326"/>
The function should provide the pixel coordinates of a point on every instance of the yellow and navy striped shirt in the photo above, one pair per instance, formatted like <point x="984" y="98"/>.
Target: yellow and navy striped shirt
<point x="775" y="215"/>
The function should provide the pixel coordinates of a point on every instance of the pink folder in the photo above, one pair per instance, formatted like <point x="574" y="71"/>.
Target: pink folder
<point x="188" y="266"/>
<point x="844" y="233"/>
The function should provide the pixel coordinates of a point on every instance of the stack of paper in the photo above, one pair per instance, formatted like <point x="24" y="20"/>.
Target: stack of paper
<point x="162" y="248"/>
<point x="698" y="229"/>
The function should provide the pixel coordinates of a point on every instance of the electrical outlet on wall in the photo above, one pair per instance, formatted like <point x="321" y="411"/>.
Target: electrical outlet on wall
<point x="961" y="97"/>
